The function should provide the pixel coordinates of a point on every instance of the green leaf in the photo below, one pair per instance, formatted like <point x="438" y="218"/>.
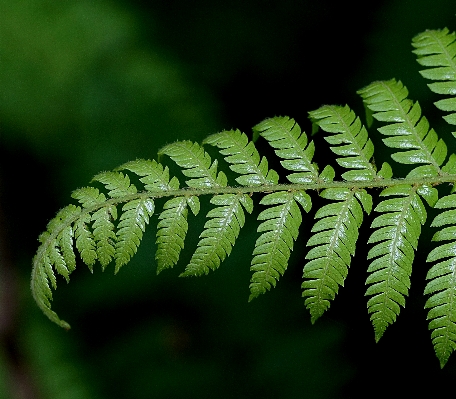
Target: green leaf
<point x="292" y="146"/>
<point x="117" y="184"/>
<point x="103" y="233"/>
<point x="196" y="163"/>
<point x="171" y="232"/>
<point x="398" y="228"/>
<point x="154" y="176"/>
<point x="436" y="49"/>
<point x="88" y="197"/>
<point x="220" y="233"/>
<point x="279" y="228"/>
<point x="349" y="139"/>
<point x="131" y="226"/>
<point x="243" y="158"/>
<point x="441" y="284"/>
<point x="409" y="131"/>
<point x="333" y="242"/>
<point x="85" y="242"/>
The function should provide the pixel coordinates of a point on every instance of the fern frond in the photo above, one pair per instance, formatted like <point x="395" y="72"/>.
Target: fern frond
<point x="336" y="233"/>
<point x="153" y="175"/>
<point x="220" y="234"/>
<point x="109" y="221"/>
<point x="333" y="242"/>
<point x="442" y="281"/>
<point x="171" y="232"/>
<point x="196" y="163"/>
<point x="292" y="146"/>
<point x="407" y="129"/>
<point x="243" y="158"/>
<point x="132" y="224"/>
<point x="117" y="184"/>
<point x="436" y="49"/>
<point x="280" y="229"/>
<point x="396" y="239"/>
<point x="223" y="228"/>
<point x="56" y="251"/>
<point x="99" y="244"/>
<point x="172" y="227"/>
<point x="280" y="223"/>
<point x="348" y="139"/>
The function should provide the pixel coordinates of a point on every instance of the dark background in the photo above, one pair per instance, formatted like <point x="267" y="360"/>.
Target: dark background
<point x="88" y="85"/>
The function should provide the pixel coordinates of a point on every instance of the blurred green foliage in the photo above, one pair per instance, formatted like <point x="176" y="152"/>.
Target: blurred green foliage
<point x="81" y="87"/>
<point x="87" y="85"/>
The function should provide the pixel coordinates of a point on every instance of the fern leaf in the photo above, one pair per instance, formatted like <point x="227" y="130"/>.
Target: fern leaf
<point x="280" y="223"/>
<point x="85" y="242"/>
<point x="333" y="242"/>
<point x="196" y="163"/>
<point x="131" y="226"/>
<point x="442" y="282"/>
<point x="60" y="251"/>
<point x="349" y="139"/>
<point x="55" y="251"/>
<point x="220" y="234"/>
<point x="134" y="217"/>
<point x="292" y="145"/>
<point x="436" y="49"/>
<point x="243" y="158"/>
<point x="152" y="174"/>
<point x="173" y="226"/>
<point x="398" y="228"/>
<point x="88" y="197"/>
<point x="171" y="232"/>
<point x="221" y="231"/>
<point x="280" y="229"/>
<point x="117" y="184"/>
<point x="103" y="232"/>
<point x="407" y="130"/>
<point x="65" y="240"/>
<point x="336" y="233"/>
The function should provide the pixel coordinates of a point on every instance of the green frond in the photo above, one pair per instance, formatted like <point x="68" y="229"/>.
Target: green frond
<point x="171" y="232"/>
<point x="98" y="243"/>
<point x="225" y="221"/>
<point x="336" y="233"/>
<point x="348" y="139"/>
<point x="436" y="50"/>
<point x="290" y="144"/>
<point x="243" y="158"/>
<point x="103" y="233"/>
<point x="196" y="163"/>
<point x="85" y="242"/>
<point x="407" y="129"/>
<point x="442" y="282"/>
<point x="172" y="227"/>
<point x="333" y="242"/>
<point x="398" y="228"/>
<point x="220" y="233"/>
<point x="132" y="224"/>
<point x="60" y="251"/>
<point x="110" y="218"/>
<point x="65" y="240"/>
<point x="280" y="228"/>
<point x="117" y="184"/>
<point x="154" y="176"/>
<point x="56" y="251"/>
<point x="88" y="196"/>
